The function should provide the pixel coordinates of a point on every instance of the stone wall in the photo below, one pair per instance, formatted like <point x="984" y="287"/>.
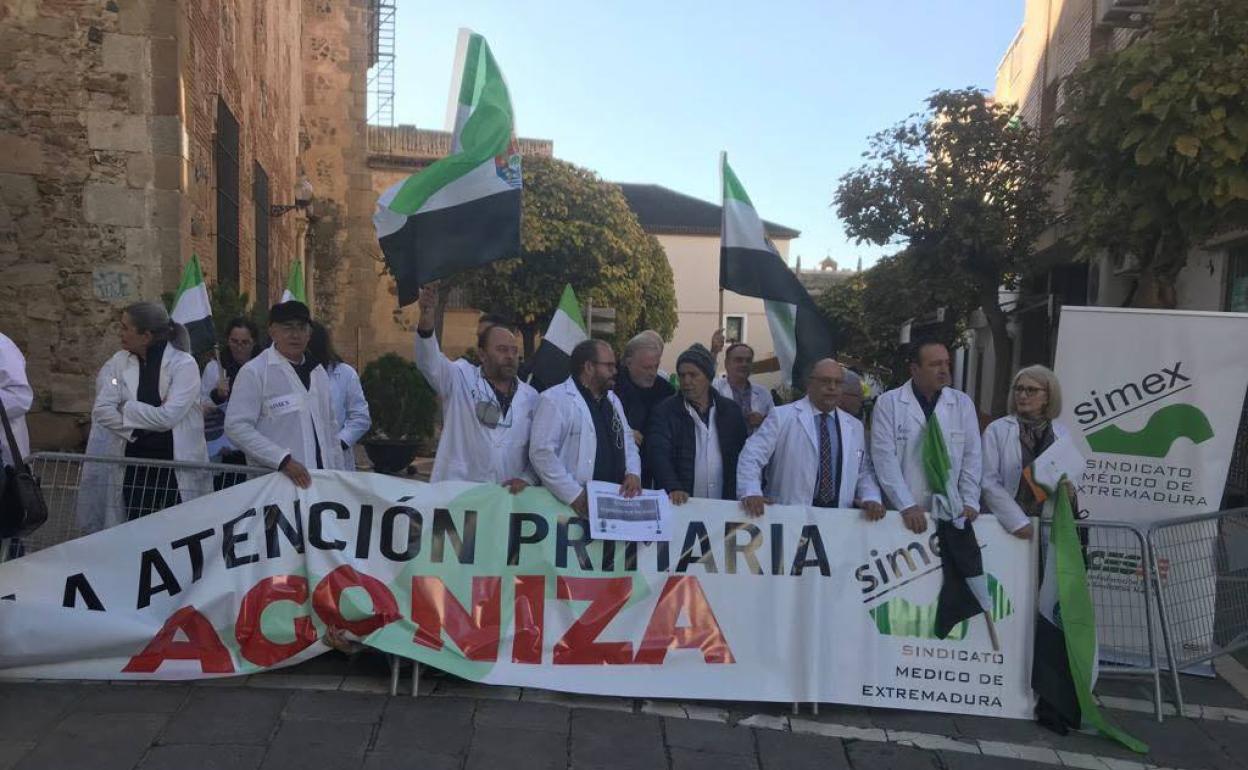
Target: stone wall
<point x="107" y="180"/>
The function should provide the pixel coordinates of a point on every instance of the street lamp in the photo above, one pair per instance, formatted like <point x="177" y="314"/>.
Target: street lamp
<point x="303" y="199"/>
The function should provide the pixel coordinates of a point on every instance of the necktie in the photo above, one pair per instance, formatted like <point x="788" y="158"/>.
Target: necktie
<point x="825" y="488"/>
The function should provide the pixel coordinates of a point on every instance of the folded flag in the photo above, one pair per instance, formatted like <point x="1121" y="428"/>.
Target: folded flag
<point x="463" y="211"/>
<point x="295" y="287"/>
<point x="1066" y="648"/>
<point x="750" y="265"/>
<point x="566" y="331"/>
<point x="192" y="309"/>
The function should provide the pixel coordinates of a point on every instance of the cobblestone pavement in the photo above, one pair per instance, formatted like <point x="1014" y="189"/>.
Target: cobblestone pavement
<point x="334" y="712"/>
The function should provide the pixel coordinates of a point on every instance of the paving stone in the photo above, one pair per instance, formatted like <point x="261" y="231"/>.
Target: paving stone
<point x="604" y="740"/>
<point x="1210" y="691"/>
<point x="12" y="751"/>
<point x="522" y="715"/>
<point x="1232" y="737"/>
<point x="212" y="715"/>
<point x="299" y="745"/>
<point x="854" y="716"/>
<point x="573" y="700"/>
<point x="334" y="706"/>
<point x="867" y="755"/>
<point x="29" y="710"/>
<point x="458" y="688"/>
<point x="516" y="749"/>
<point x="415" y="759"/>
<point x="1022" y="731"/>
<point x="1098" y="745"/>
<point x="1176" y="742"/>
<point x="915" y="722"/>
<point x="956" y="760"/>
<point x="95" y="741"/>
<point x="708" y="736"/>
<point x="283" y="681"/>
<point x="687" y="759"/>
<point x="434" y="725"/>
<point x="164" y="699"/>
<point x="786" y="751"/>
<point x="201" y="758"/>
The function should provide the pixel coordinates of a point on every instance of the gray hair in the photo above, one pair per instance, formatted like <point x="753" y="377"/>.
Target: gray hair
<point x="852" y="383"/>
<point x="642" y="341"/>
<point x="1048" y="380"/>
<point x="154" y="318"/>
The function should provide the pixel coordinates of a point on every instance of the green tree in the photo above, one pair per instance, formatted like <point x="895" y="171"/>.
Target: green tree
<point x="964" y="188"/>
<point x="1155" y="137"/>
<point x="577" y="229"/>
<point x="869" y="309"/>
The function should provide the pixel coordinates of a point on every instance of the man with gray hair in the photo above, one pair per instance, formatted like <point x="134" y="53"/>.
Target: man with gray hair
<point x="640" y="388"/>
<point x="851" y="393"/>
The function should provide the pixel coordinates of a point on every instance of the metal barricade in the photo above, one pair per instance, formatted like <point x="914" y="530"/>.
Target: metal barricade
<point x="86" y="493"/>
<point x="1202" y="578"/>
<point x="1118" y="561"/>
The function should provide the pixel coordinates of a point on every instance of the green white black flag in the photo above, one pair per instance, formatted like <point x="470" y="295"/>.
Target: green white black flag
<point x="750" y="265"/>
<point x="192" y="309"/>
<point x="566" y="331"/>
<point x="462" y="211"/>
<point x="295" y="287"/>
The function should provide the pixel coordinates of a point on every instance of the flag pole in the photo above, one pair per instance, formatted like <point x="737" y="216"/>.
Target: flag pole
<point x="723" y="218"/>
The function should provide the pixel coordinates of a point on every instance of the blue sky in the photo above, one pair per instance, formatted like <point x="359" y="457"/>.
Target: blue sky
<point x="652" y="90"/>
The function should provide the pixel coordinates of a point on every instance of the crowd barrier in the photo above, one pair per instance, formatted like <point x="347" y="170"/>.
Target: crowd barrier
<point x="1184" y="580"/>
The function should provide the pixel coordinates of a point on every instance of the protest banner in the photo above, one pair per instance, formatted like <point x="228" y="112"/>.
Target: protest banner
<point x="1153" y="400"/>
<point x="803" y="604"/>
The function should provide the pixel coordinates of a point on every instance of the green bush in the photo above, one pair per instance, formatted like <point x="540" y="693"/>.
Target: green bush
<point x="402" y="404"/>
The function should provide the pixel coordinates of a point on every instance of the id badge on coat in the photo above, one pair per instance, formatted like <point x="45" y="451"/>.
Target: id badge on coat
<point x="276" y="406"/>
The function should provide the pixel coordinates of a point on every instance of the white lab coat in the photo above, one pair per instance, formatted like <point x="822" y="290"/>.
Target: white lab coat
<point x="118" y="413"/>
<point x="789" y="442"/>
<point x="896" y="452"/>
<point x="272" y="415"/>
<point x="760" y="398"/>
<point x="564" y="442"/>
<point x="350" y="410"/>
<point x="208" y="383"/>
<point x="467" y="450"/>
<point x="17" y="396"/>
<point x="1003" y="468"/>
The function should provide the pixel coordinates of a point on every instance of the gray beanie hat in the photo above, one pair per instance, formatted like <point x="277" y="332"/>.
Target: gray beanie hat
<point x="700" y="357"/>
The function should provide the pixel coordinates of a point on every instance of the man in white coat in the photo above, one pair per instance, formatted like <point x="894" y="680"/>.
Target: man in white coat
<point x="280" y="412"/>
<point x="487" y="411"/>
<point x="17" y="397"/>
<point x="580" y="433"/>
<point x="754" y="400"/>
<point x="897" y="426"/>
<point x="815" y="453"/>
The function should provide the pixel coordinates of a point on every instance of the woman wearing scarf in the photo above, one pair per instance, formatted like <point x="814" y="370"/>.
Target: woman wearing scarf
<point x="1013" y="443"/>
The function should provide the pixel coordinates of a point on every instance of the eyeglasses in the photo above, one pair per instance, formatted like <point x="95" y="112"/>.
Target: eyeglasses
<point x="1024" y="390"/>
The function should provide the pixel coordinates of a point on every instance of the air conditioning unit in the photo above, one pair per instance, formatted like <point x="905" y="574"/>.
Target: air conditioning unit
<point x="1125" y="13"/>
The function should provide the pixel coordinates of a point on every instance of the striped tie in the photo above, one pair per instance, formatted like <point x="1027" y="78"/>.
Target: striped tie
<point x="825" y="489"/>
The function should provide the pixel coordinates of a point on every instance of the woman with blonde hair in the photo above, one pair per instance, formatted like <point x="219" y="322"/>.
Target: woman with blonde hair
<point x="1013" y="442"/>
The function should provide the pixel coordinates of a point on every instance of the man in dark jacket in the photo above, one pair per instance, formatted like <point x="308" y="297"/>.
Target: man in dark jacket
<point x="640" y="389"/>
<point x="694" y="438"/>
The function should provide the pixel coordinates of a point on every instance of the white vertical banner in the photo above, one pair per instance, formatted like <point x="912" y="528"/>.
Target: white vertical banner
<point x="1153" y="398"/>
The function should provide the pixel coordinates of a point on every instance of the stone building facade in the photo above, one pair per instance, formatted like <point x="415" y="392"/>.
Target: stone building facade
<point x="135" y="133"/>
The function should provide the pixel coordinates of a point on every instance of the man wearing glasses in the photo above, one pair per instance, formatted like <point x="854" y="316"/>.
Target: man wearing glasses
<point x="814" y="453"/>
<point x="280" y="411"/>
<point x="580" y="433"/>
<point x="486" y="410"/>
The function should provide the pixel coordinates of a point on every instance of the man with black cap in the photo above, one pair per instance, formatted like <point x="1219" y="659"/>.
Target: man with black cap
<point x="280" y="412"/>
<point x="695" y="437"/>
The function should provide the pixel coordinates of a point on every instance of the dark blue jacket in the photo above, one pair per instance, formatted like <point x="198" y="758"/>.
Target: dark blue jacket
<point x="671" y="444"/>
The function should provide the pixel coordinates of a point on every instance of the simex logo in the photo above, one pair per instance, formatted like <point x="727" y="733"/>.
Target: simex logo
<point x="1165" y="425"/>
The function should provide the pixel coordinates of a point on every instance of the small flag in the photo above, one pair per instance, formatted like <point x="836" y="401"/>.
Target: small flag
<point x="750" y="265"/>
<point x="1066" y="648"/>
<point x="192" y="309"/>
<point x="463" y="211"/>
<point x="294" y="285"/>
<point x="566" y="331"/>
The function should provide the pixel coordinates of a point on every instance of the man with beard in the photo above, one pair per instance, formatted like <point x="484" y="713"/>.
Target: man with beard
<point x="640" y="388"/>
<point x="486" y="410"/>
<point x="580" y="433"/>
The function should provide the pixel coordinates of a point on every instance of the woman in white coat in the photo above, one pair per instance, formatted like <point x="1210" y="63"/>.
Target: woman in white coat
<point x="1014" y="442"/>
<point x="346" y="394"/>
<point x="147" y="408"/>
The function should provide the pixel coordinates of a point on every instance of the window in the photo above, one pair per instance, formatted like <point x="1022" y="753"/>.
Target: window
<point x="734" y="329"/>
<point x="260" y="199"/>
<point x="1237" y="279"/>
<point x="225" y="157"/>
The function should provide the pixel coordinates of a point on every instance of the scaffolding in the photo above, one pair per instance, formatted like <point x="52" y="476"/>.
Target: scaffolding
<point x="381" y="64"/>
